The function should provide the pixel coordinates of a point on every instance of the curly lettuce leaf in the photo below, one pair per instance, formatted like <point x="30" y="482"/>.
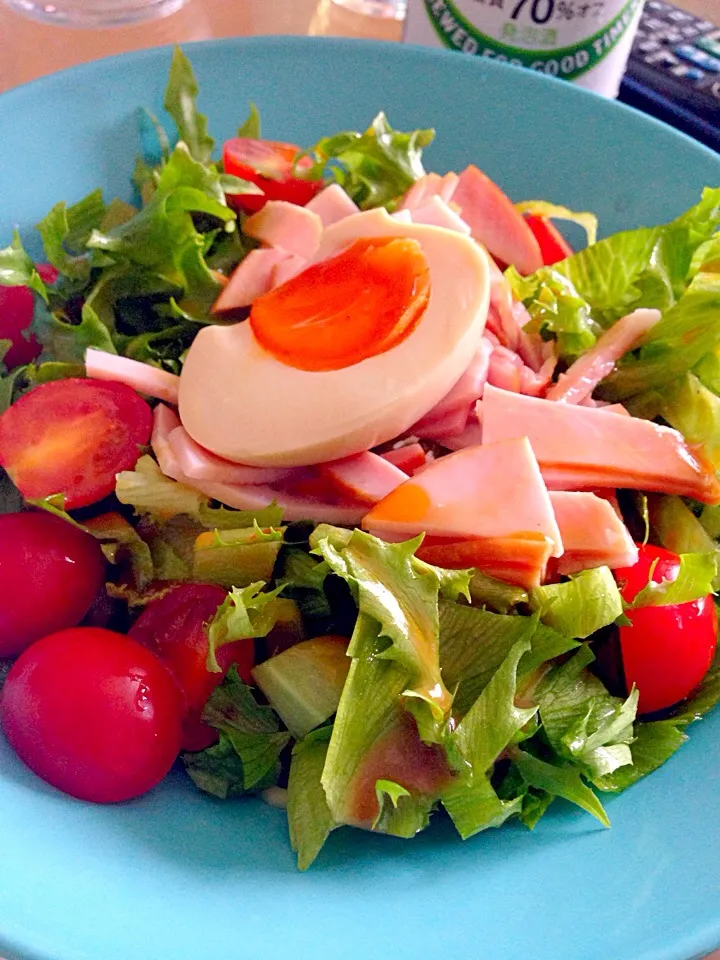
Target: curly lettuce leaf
<point x="247" y="756"/>
<point x="17" y="269"/>
<point x="403" y="598"/>
<point x="693" y="580"/>
<point x="181" y="103"/>
<point x="375" y="167"/>
<point x="583" y="723"/>
<point x="584" y="604"/>
<point x="247" y="612"/>
<point x="310" y="821"/>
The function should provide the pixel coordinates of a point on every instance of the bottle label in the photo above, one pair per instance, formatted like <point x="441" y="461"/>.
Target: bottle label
<point x="563" y="38"/>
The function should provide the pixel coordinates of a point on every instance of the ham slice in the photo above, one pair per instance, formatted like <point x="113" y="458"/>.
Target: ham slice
<point x="282" y="224"/>
<point x="295" y="507"/>
<point x="579" y="448"/>
<point x="437" y="213"/>
<point x="427" y="187"/>
<point x="488" y="492"/>
<point x="287" y="268"/>
<point x="508" y="371"/>
<point x="578" y="383"/>
<point x="470" y="437"/>
<point x="332" y="205"/>
<point x="165" y="421"/>
<point x="409" y="457"/>
<point x="450" y="416"/>
<point x="366" y="477"/>
<point x="151" y="381"/>
<point x="495" y="222"/>
<point x="593" y="534"/>
<point x="518" y="560"/>
<point x="253" y="277"/>
<point x="197" y="463"/>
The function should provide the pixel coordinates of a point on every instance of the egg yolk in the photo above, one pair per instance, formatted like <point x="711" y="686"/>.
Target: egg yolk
<point x="353" y="306"/>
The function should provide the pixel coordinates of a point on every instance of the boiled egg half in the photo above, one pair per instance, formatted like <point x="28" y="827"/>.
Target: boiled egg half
<point x="348" y="354"/>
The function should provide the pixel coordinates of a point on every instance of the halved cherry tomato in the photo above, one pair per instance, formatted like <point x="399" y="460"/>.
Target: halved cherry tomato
<point x="553" y="245"/>
<point x="72" y="437"/>
<point x="16" y="313"/>
<point x="94" y="713"/>
<point x="668" y="649"/>
<point x="173" y="627"/>
<point x="50" y="573"/>
<point x="352" y="306"/>
<point x="270" y="165"/>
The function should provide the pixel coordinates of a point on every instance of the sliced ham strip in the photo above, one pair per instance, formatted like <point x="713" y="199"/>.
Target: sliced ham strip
<point x="282" y="224"/>
<point x="487" y="492"/>
<point x="585" y="374"/>
<point x="470" y="437"/>
<point x="294" y="507"/>
<point x="366" y="477"/>
<point x="408" y="458"/>
<point x="253" y="277"/>
<point x="442" y="429"/>
<point x="165" y="421"/>
<point x="287" y="268"/>
<point x="332" y="205"/>
<point x="508" y="371"/>
<point x="197" y="463"/>
<point x="151" y="381"/>
<point x="456" y="406"/>
<point x="579" y="448"/>
<point x="593" y="534"/>
<point x="437" y="213"/>
<point x="517" y="560"/>
<point x="431" y="185"/>
<point x="495" y="222"/>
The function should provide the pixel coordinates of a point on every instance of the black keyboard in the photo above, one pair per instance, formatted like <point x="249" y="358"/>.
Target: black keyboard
<point x="674" y="71"/>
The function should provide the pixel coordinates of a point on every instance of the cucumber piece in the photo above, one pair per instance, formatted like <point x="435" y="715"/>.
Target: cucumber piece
<point x="235" y="558"/>
<point x="303" y="683"/>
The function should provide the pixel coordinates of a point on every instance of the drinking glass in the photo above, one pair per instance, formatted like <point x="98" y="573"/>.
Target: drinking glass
<point x="95" y="13"/>
<point x="387" y="9"/>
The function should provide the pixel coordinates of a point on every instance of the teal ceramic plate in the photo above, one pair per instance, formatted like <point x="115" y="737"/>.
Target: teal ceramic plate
<point x="176" y="876"/>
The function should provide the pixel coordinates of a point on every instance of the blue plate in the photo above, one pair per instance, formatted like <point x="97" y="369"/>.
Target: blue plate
<point x="178" y="876"/>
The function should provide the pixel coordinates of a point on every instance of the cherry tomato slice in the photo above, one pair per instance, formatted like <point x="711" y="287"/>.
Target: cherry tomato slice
<point x="270" y="165"/>
<point x="93" y="713"/>
<point x="72" y="437"/>
<point x="50" y="573"/>
<point x="668" y="649"/>
<point x="553" y="245"/>
<point x="173" y="627"/>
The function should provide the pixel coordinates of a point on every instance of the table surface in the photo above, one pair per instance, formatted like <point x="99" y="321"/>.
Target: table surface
<point x="29" y="49"/>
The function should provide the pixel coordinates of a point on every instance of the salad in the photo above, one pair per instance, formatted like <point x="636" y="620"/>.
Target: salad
<point x="353" y="486"/>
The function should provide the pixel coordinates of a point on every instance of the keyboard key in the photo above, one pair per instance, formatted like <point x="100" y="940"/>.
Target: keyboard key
<point x="679" y="16"/>
<point x="649" y="46"/>
<point x="689" y="30"/>
<point x="650" y="23"/>
<point x="699" y="57"/>
<point x="685" y="72"/>
<point x="711" y="46"/>
<point x="657" y="6"/>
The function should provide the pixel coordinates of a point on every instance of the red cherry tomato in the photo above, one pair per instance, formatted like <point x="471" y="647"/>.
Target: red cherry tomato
<point x="50" y="574"/>
<point x="668" y="649"/>
<point x="173" y="627"/>
<point x="16" y="313"/>
<point x="270" y="165"/>
<point x="94" y="713"/>
<point x="553" y="245"/>
<point x="72" y="437"/>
